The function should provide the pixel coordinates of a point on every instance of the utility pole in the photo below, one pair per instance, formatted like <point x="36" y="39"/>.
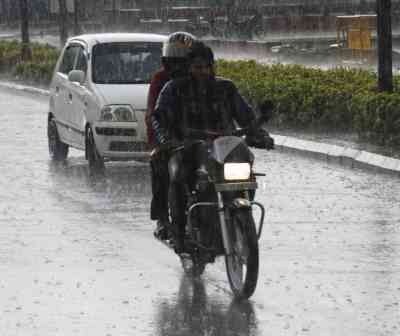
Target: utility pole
<point x="63" y="21"/>
<point x="26" y="52"/>
<point x="384" y="30"/>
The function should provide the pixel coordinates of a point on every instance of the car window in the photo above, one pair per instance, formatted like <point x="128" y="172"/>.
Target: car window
<point x="68" y="60"/>
<point x="125" y="63"/>
<point x="81" y="62"/>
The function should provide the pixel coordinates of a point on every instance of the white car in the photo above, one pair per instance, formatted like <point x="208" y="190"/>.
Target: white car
<point x="98" y="96"/>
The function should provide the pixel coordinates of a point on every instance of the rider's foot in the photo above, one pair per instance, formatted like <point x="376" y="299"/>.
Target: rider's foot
<point x="186" y="260"/>
<point x="161" y="231"/>
<point x="179" y="246"/>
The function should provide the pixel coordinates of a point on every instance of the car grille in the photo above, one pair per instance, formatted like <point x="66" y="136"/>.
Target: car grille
<point x="116" y="131"/>
<point x="122" y="146"/>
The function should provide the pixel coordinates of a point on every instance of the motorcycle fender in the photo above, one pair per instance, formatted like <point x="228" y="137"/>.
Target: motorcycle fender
<point x="241" y="203"/>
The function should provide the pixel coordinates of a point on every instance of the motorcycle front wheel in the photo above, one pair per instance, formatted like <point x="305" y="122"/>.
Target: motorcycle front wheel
<point x="242" y="264"/>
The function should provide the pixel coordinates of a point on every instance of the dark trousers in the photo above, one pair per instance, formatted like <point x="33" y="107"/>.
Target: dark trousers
<point x="181" y="168"/>
<point x="160" y="186"/>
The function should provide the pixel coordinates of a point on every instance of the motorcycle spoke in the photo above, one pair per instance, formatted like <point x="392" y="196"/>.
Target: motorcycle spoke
<point x="241" y="248"/>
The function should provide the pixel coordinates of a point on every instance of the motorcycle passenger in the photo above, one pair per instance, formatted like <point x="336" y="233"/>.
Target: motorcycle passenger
<point x="198" y="101"/>
<point x="174" y="65"/>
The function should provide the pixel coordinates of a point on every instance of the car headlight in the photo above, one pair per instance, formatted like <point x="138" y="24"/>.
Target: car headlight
<point x="237" y="171"/>
<point x="121" y="113"/>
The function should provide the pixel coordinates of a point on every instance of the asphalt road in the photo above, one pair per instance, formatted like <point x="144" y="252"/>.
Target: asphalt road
<point x="77" y="255"/>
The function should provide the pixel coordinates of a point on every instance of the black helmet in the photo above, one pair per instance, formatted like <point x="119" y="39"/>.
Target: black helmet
<point x="200" y="50"/>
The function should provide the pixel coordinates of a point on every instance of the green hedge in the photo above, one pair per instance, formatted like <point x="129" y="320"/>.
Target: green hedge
<point x="377" y="117"/>
<point x="337" y="99"/>
<point x="38" y="69"/>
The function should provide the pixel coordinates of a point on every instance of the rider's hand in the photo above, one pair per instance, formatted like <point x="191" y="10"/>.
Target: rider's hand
<point x="264" y="142"/>
<point x="169" y="144"/>
<point x="269" y="142"/>
<point x="260" y="140"/>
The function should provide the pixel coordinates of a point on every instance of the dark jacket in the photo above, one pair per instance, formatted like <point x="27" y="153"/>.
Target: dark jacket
<point x="182" y="105"/>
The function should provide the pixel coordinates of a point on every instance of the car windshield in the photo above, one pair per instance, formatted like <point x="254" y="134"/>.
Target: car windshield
<point x="125" y="63"/>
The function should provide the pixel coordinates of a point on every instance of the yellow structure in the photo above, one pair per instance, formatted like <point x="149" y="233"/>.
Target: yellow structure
<point x="355" y="31"/>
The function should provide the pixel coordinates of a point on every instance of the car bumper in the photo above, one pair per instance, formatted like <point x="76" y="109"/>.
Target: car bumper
<point x="121" y="141"/>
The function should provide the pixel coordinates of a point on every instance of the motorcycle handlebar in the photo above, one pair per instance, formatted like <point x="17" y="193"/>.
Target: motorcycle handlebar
<point x="206" y="135"/>
<point x="196" y="133"/>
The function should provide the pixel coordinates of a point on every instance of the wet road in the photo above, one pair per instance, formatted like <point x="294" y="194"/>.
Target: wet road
<point x="77" y="255"/>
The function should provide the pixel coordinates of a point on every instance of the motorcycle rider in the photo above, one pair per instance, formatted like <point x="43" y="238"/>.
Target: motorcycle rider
<point x="174" y="65"/>
<point x="198" y="101"/>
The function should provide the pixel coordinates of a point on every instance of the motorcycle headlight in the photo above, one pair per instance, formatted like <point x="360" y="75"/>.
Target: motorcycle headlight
<point x="237" y="171"/>
<point x="118" y="113"/>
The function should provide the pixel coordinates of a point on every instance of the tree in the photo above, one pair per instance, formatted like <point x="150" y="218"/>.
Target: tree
<point x="384" y="30"/>
<point x="114" y="12"/>
<point x="6" y="10"/>
<point x="3" y="10"/>
<point x="63" y="21"/>
<point x="26" y="52"/>
<point x="77" y="29"/>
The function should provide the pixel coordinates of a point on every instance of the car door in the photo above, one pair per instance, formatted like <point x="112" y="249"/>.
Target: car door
<point x="77" y="100"/>
<point x="61" y="92"/>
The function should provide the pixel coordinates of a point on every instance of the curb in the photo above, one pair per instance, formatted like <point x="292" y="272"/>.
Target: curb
<point x="346" y="156"/>
<point x="19" y="87"/>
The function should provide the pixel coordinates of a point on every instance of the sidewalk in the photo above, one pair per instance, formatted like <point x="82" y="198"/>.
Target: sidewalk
<point x="338" y="148"/>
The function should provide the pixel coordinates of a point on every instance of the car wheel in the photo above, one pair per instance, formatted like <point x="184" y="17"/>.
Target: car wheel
<point x="96" y="162"/>
<point x="57" y="149"/>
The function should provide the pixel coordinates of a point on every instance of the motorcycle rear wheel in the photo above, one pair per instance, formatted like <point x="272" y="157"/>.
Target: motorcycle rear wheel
<point x="242" y="264"/>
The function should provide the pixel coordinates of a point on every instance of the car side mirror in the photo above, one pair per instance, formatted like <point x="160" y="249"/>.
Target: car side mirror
<point x="266" y="109"/>
<point x="76" y="76"/>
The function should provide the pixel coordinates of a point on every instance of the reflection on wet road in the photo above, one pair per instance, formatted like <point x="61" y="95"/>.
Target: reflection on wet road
<point x="77" y="256"/>
<point x="125" y="187"/>
<point x="193" y="312"/>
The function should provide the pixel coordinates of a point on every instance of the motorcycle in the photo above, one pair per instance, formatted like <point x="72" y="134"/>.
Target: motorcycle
<point x="219" y="212"/>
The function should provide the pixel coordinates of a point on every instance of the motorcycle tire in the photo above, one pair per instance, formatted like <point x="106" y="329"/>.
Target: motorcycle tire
<point x="242" y="265"/>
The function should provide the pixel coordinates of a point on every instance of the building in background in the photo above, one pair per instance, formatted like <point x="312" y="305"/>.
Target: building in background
<point x="220" y="18"/>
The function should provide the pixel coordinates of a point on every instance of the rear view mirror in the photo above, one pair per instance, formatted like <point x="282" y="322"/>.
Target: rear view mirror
<point x="76" y="76"/>
<point x="266" y="108"/>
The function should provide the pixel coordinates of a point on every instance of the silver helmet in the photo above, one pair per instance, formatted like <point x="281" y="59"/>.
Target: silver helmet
<point x="178" y="45"/>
